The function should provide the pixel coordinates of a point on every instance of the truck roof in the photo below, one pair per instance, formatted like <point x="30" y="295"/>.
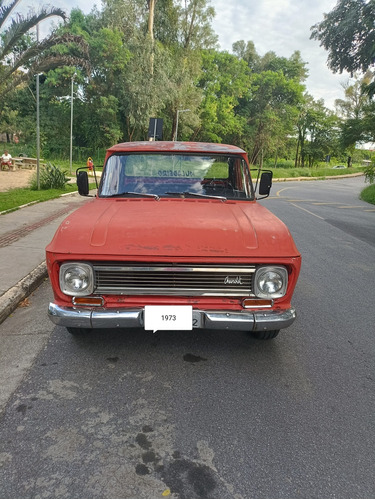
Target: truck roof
<point x="175" y="146"/>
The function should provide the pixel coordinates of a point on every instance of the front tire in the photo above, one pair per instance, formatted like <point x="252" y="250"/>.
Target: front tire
<point x="79" y="331"/>
<point x="265" y="335"/>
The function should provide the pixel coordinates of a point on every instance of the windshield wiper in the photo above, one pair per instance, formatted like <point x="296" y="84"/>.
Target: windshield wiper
<point x="133" y="193"/>
<point x="199" y="195"/>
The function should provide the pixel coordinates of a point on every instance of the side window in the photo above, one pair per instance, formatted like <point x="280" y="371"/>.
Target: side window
<point x="113" y="176"/>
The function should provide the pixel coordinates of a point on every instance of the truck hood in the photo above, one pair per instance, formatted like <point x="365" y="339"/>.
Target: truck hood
<point x="173" y="228"/>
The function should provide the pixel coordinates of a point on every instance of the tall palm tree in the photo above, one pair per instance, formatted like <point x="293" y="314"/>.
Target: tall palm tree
<point x="18" y="61"/>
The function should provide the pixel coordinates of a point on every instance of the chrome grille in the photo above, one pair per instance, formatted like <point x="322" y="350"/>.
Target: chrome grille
<point x="173" y="280"/>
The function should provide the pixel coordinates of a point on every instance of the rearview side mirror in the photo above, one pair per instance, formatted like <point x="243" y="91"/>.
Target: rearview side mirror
<point x="83" y="183"/>
<point x="265" y="183"/>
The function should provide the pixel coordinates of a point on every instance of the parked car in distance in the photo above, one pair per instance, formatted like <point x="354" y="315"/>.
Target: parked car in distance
<point x="174" y="239"/>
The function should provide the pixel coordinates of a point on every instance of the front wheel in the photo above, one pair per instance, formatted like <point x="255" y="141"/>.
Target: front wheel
<point x="78" y="331"/>
<point x="265" y="335"/>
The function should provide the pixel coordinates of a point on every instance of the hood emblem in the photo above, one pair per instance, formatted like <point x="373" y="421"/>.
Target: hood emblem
<point x="233" y="280"/>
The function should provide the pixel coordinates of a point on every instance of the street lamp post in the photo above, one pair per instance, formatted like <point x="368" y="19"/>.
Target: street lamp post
<point x="37" y="123"/>
<point x="178" y="112"/>
<point x="71" y="126"/>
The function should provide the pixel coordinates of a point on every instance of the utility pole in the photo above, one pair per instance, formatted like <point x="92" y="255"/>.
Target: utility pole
<point x="71" y="126"/>
<point x="178" y="112"/>
<point x="37" y="122"/>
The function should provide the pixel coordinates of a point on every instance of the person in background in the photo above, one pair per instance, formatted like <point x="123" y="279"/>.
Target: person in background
<point x="6" y="159"/>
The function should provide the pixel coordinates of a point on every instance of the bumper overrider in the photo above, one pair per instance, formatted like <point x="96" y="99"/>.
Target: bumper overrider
<point x="75" y="317"/>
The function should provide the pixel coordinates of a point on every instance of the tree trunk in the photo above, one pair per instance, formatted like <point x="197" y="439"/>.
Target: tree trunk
<point x="151" y="7"/>
<point x="276" y="157"/>
<point x="258" y="146"/>
<point x="297" y="154"/>
<point x="174" y="125"/>
<point x="191" y="26"/>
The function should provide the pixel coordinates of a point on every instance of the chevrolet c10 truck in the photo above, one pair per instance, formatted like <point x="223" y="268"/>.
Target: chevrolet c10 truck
<point x="174" y="239"/>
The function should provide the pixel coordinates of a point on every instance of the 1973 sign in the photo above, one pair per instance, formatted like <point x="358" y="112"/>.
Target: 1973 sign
<point x="168" y="318"/>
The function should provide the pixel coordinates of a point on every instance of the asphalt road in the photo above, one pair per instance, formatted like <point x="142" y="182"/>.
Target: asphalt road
<point x="212" y="414"/>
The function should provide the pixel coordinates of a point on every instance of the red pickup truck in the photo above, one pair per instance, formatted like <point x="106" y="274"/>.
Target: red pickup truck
<point x="174" y="239"/>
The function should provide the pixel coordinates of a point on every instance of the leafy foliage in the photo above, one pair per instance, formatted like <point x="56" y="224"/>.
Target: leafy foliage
<point x="368" y="194"/>
<point x="224" y="80"/>
<point x="369" y="172"/>
<point x="19" y="49"/>
<point x="318" y="133"/>
<point x="270" y="111"/>
<point x="348" y="34"/>
<point x="50" y="177"/>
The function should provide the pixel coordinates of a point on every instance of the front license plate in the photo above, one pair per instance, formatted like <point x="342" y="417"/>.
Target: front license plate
<point x="169" y="318"/>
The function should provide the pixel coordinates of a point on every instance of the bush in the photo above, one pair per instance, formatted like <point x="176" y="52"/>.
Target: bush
<point x="369" y="172"/>
<point x="50" y="177"/>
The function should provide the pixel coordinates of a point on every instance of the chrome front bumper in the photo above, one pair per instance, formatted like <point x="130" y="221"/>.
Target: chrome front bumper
<point x="133" y="318"/>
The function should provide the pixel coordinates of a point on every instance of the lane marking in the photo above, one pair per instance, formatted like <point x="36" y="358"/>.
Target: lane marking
<point x="298" y="200"/>
<point x="284" y="189"/>
<point x="351" y="206"/>
<point x="326" y="203"/>
<point x="308" y="211"/>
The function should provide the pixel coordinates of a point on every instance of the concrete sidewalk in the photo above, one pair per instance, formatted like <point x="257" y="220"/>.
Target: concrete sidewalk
<point x="24" y="235"/>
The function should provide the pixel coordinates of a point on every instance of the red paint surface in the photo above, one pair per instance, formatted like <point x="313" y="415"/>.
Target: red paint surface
<point x="173" y="227"/>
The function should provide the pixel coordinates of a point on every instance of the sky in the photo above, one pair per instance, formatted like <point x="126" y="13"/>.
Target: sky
<point x="281" y="26"/>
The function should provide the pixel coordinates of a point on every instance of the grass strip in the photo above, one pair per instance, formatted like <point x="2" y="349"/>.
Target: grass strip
<point x="15" y="198"/>
<point x="287" y="173"/>
<point x="368" y="194"/>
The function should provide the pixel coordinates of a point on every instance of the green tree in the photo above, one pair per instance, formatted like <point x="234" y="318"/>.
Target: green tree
<point x="168" y="84"/>
<point x="356" y="112"/>
<point x="348" y="34"/>
<point x="269" y="107"/>
<point x="166" y="21"/>
<point x="8" y="120"/>
<point x="194" y="33"/>
<point x="324" y="133"/>
<point x="195" y="25"/>
<point x="144" y="96"/>
<point x="247" y="52"/>
<point x="293" y="68"/>
<point x="270" y="111"/>
<point x="318" y="133"/>
<point x="356" y="100"/>
<point x="102" y="129"/>
<point x="19" y="50"/>
<point x="224" y="80"/>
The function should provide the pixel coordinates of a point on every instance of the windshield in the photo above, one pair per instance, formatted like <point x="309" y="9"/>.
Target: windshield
<point x="176" y="175"/>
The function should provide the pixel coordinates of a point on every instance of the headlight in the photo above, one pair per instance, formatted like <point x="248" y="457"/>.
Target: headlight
<point x="76" y="279"/>
<point x="270" y="282"/>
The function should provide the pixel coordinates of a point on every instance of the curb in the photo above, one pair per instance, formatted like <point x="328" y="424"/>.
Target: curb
<point x="329" y="177"/>
<point x="10" y="300"/>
